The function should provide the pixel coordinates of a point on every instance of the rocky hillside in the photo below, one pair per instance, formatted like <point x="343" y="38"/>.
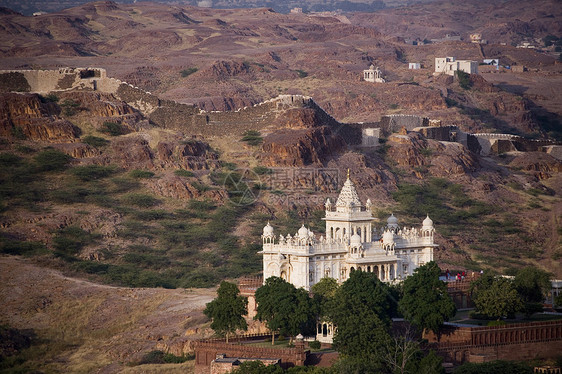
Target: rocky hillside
<point x="96" y="182"/>
<point x="231" y="59"/>
<point x="103" y="188"/>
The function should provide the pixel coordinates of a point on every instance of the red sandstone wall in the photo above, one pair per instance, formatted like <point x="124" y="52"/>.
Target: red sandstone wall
<point x="205" y="352"/>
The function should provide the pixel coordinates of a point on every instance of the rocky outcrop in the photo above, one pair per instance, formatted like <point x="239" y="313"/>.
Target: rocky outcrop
<point x="300" y="118"/>
<point x="31" y="117"/>
<point x="131" y="152"/>
<point x="441" y="159"/>
<point x="540" y="164"/>
<point x="226" y="69"/>
<point x="99" y="108"/>
<point x="191" y="155"/>
<point x="179" y="188"/>
<point x="135" y="152"/>
<point x="301" y="147"/>
<point x="78" y="150"/>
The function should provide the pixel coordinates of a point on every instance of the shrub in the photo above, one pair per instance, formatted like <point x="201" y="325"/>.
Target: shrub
<point x="92" y="172"/>
<point x="464" y="79"/>
<point x="17" y="132"/>
<point x="124" y="184"/>
<point x="393" y="106"/>
<point x="152" y="215"/>
<point x="139" y="174"/>
<point x="50" y="98"/>
<point x="184" y="173"/>
<point x="24" y="149"/>
<point x="51" y="160"/>
<point x="301" y="73"/>
<point x="69" y="107"/>
<point x="9" y="159"/>
<point x="187" y="72"/>
<point x="14" y="247"/>
<point x="252" y="137"/>
<point x="141" y="200"/>
<point x="70" y="240"/>
<point x="201" y="205"/>
<point x="112" y="129"/>
<point x="159" y="357"/>
<point x="496" y="367"/>
<point x="261" y="170"/>
<point x="95" y="141"/>
<point x="315" y="344"/>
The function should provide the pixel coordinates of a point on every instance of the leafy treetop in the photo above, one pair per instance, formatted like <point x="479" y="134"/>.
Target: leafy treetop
<point x="425" y="302"/>
<point x="227" y="310"/>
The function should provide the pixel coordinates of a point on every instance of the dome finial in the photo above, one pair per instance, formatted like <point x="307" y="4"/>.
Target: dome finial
<point x="347" y="173"/>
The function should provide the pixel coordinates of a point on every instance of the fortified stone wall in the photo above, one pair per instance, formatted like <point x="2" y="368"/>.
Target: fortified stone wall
<point x="442" y="133"/>
<point x="44" y="81"/>
<point x="394" y="122"/>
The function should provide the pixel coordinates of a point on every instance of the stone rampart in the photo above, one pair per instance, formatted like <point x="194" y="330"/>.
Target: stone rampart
<point x="440" y="133"/>
<point x="394" y="122"/>
<point x="44" y="81"/>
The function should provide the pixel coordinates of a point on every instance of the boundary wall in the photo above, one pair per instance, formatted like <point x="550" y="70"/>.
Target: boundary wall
<point x="207" y="350"/>
<point x="513" y="341"/>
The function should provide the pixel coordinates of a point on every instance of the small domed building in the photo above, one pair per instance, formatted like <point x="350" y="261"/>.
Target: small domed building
<point x="352" y="242"/>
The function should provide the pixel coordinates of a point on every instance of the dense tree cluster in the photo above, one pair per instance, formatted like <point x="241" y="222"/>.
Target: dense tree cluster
<point x="362" y="308"/>
<point x="498" y="297"/>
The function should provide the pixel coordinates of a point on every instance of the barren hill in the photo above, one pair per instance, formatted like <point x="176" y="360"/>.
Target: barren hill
<point x="249" y="118"/>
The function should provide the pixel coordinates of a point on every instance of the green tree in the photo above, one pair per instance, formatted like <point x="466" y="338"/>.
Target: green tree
<point x="425" y="302"/>
<point x="284" y="308"/>
<point x="496" y="299"/>
<point x="361" y="311"/>
<point x="324" y="292"/>
<point x="227" y="310"/>
<point x="494" y="367"/>
<point x="532" y="285"/>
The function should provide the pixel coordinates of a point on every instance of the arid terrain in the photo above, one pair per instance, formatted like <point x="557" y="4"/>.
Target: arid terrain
<point x="108" y="203"/>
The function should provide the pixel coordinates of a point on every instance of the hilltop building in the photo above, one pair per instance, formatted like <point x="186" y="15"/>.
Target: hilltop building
<point x="448" y="65"/>
<point x="352" y="242"/>
<point x="373" y="74"/>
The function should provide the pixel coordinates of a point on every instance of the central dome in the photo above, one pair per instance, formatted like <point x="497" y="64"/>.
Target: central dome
<point x="348" y="195"/>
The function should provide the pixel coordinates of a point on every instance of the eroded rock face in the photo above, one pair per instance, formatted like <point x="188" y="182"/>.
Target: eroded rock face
<point x="191" y="155"/>
<point x="98" y="108"/>
<point x="541" y="165"/>
<point x="132" y="152"/>
<point x="135" y="152"/>
<point x="179" y="188"/>
<point x="27" y="116"/>
<point x="300" y="118"/>
<point x="78" y="150"/>
<point x="300" y="147"/>
<point x="441" y="158"/>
